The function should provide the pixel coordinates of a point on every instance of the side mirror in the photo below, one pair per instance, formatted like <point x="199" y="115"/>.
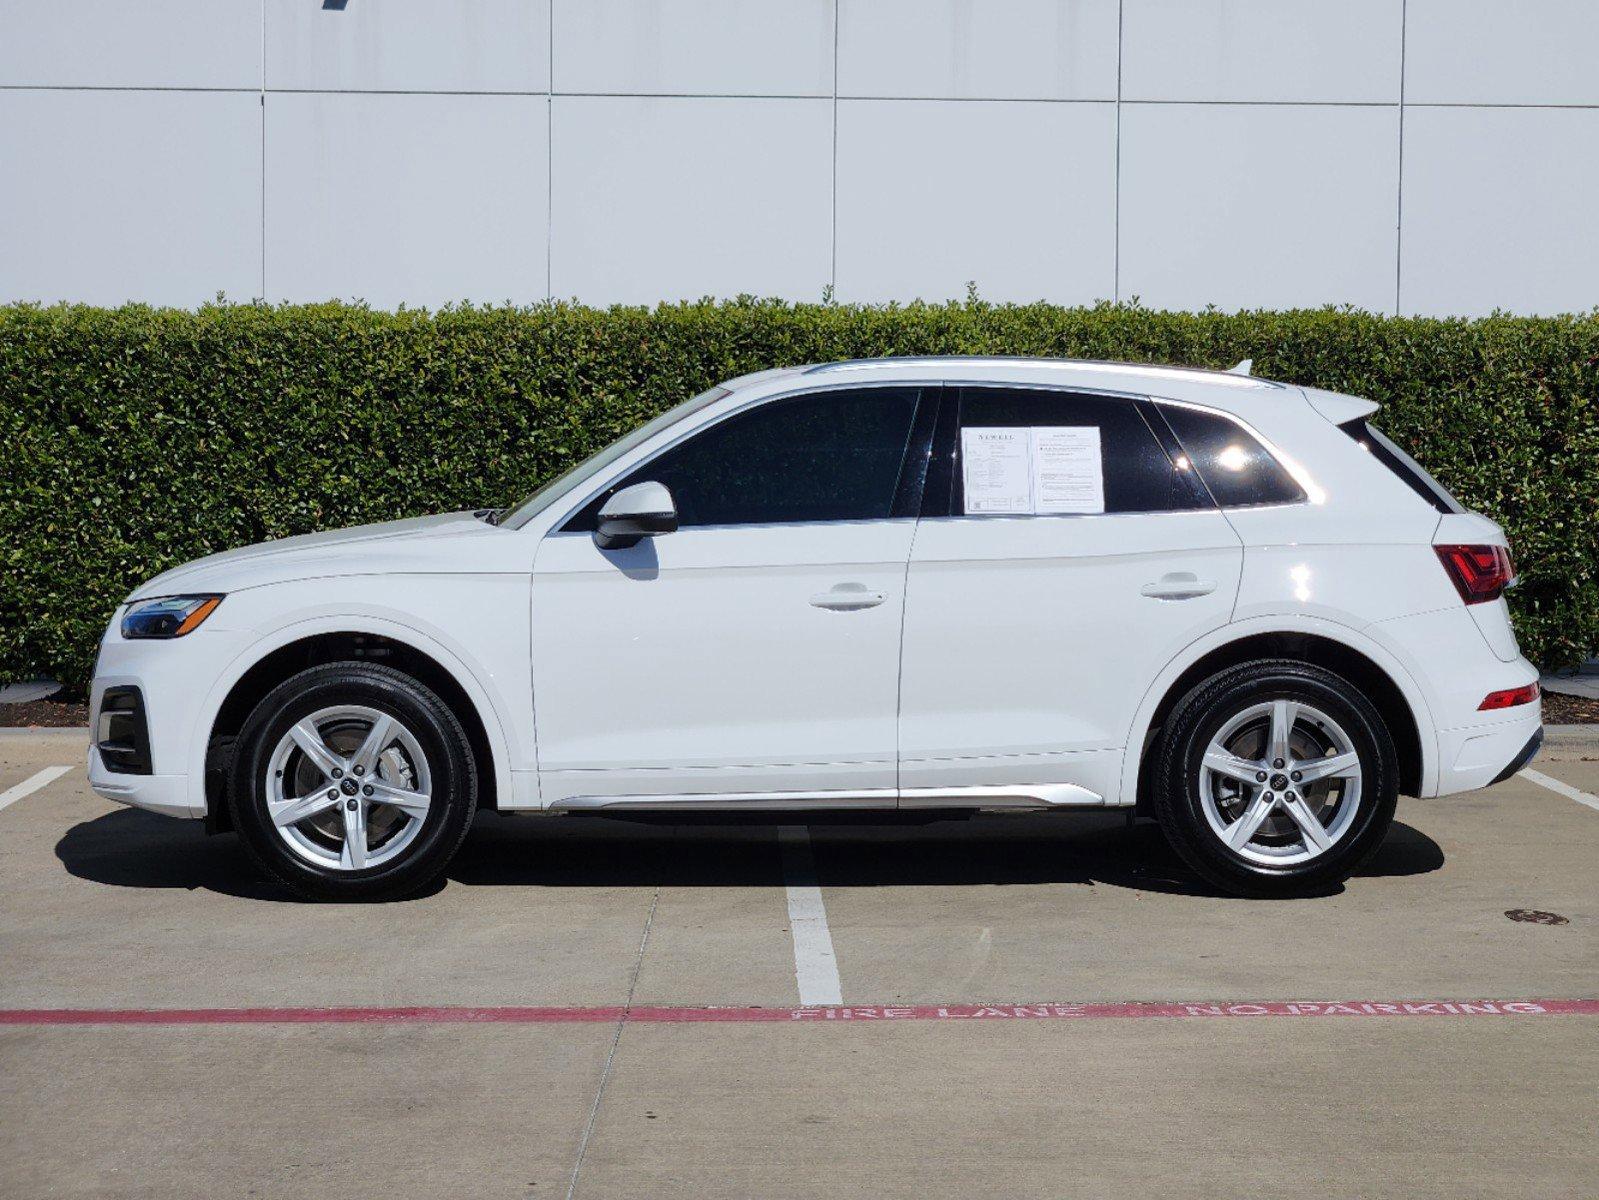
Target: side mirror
<point x="636" y="512"/>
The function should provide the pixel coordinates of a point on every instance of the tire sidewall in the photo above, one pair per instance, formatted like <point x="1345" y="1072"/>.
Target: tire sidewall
<point x="453" y="780"/>
<point x="1203" y="713"/>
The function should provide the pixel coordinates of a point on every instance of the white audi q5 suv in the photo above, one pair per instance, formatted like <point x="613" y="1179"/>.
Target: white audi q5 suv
<point x="894" y="585"/>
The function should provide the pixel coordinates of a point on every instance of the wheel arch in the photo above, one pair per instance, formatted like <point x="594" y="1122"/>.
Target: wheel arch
<point x="296" y="648"/>
<point x="1385" y="682"/>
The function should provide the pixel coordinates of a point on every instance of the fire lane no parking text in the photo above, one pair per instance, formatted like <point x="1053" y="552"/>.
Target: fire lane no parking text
<point x="646" y="1015"/>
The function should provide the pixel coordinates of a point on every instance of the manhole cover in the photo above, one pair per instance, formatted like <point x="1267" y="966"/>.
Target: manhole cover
<point x="1533" y="916"/>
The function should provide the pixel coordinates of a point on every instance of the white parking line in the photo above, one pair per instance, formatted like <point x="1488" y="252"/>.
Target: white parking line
<point x="815" y="966"/>
<point x="1564" y="789"/>
<point x="31" y="784"/>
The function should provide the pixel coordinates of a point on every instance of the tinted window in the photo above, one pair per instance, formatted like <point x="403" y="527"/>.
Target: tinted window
<point x="1133" y="473"/>
<point x="1236" y="468"/>
<point x="830" y="456"/>
<point x="1386" y="451"/>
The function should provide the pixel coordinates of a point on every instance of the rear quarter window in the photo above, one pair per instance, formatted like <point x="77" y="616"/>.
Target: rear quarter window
<point x="1414" y="476"/>
<point x="1237" y="469"/>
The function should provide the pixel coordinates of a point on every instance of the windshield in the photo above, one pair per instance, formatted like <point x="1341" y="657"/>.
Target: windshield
<point x="594" y="463"/>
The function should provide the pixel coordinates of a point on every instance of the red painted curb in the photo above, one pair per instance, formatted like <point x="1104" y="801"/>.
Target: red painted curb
<point x="514" y="1015"/>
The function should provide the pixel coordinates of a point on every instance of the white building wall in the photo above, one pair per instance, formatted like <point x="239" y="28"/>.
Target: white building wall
<point x="1418" y="156"/>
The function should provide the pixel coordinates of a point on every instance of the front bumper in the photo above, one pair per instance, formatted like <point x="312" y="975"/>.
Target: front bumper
<point x="165" y="794"/>
<point x="173" y="679"/>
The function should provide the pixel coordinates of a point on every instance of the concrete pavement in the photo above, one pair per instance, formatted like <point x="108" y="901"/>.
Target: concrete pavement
<point x="106" y="908"/>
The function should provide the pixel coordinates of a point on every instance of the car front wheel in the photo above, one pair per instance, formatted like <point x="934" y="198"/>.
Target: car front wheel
<point x="1275" y="778"/>
<point x="352" y="781"/>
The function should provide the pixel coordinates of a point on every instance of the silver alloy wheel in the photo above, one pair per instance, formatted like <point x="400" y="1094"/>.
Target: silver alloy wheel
<point x="348" y="788"/>
<point x="1280" y="783"/>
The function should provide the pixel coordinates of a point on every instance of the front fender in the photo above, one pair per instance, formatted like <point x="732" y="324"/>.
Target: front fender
<point x="514" y="761"/>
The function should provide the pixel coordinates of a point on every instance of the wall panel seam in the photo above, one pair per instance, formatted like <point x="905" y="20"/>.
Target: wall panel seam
<point x="1116" y="185"/>
<point x="549" y="167"/>
<point x="1492" y="105"/>
<point x="1399" y="174"/>
<point x="832" y="219"/>
<point x="263" y="214"/>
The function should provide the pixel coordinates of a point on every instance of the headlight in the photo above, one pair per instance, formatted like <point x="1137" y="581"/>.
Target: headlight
<point x="167" y="616"/>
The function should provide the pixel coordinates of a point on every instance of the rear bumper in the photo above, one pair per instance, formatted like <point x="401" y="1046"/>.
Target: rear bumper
<point x="1448" y="657"/>
<point x="1528" y="753"/>
<point x="1479" y="756"/>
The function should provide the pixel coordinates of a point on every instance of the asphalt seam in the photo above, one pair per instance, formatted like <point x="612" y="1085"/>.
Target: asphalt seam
<point x="616" y="1040"/>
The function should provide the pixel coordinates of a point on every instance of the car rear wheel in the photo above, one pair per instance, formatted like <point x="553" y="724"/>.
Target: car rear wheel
<point x="353" y="781"/>
<point x="1275" y="778"/>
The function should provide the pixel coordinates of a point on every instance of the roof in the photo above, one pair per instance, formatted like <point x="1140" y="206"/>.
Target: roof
<point x="958" y="366"/>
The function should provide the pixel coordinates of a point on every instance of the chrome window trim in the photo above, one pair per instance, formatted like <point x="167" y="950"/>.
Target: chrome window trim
<point x="581" y="533"/>
<point x="1293" y="469"/>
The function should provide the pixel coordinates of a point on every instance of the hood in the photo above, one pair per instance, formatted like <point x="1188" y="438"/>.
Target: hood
<point x="421" y="543"/>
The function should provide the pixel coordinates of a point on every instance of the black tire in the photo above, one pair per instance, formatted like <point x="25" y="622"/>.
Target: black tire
<point x="453" y="786"/>
<point x="1205" y="711"/>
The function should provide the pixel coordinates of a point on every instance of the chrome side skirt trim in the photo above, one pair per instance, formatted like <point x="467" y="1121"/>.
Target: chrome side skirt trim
<point x="1016" y="795"/>
<point x="883" y="798"/>
<point x="1013" y="796"/>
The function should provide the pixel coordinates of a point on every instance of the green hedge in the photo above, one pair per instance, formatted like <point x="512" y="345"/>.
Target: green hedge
<point x="136" y="438"/>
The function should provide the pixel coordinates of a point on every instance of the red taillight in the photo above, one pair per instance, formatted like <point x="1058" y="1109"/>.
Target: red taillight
<point x="1480" y="573"/>
<point x="1509" y="698"/>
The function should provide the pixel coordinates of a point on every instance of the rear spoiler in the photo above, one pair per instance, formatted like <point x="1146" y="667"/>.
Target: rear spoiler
<point x="1339" y="408"/>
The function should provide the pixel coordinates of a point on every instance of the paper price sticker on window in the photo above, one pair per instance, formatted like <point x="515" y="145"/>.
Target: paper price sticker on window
<point x="1032" y="470"/>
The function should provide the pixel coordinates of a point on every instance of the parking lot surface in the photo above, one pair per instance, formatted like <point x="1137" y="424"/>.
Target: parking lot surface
<point x="1041" y="1005"/>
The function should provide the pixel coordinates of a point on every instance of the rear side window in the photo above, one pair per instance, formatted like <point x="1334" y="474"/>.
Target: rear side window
<point x="1037" y="451"/>
<point x="827" y="456"/>
<point x="1236" y="468"/>
<point x="1386" y="451"/>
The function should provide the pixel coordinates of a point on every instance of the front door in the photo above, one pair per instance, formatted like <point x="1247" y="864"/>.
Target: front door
<point x="1066" y="558"/>
<point x="751" y="657"/>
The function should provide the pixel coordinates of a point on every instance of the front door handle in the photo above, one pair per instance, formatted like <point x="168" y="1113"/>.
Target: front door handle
<point x="848" y="597"/>
<point x="1178" y="585"/>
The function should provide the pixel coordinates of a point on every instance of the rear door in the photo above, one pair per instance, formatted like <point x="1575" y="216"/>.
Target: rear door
<point x="1066" y="554"/>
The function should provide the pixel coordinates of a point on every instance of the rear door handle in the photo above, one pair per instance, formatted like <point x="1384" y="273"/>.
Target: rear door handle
<point x="848" y="597"/>
<point x="1178" y="585"/>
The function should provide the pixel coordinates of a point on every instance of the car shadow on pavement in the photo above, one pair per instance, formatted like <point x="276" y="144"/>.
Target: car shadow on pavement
<point x="129" y="848"/>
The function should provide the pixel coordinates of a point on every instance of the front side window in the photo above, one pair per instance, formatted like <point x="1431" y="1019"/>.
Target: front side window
<point x="1237" y="469"/>
<point x="1043" y="452"/>
<point x="826" y="456"/>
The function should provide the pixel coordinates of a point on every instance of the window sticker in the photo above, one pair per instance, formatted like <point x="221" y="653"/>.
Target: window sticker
<point x="997" y="468"/>
<point x="1032" y="470"/>
<point x="1068" y="470"/>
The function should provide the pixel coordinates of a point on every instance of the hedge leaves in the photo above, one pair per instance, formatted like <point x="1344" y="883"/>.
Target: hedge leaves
<point x="134" y="439"/>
